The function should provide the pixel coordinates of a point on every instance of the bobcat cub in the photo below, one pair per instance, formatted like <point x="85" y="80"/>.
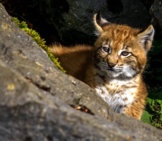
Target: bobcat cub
<point x="114" y="66"/>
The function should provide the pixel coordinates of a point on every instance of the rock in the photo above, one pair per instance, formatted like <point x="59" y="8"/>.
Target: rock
<point x="28" y="113"/>
<point x="35" y="98"/>
<point x="80" y="17"/>
<point x="156" y="12"/>
<point x="21" y="53"/>
<point x="54" y="19"/>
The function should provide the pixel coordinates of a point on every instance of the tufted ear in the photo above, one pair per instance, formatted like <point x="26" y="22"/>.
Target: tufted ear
<point x="99" y="23"/>
<point x="146" y="37"/>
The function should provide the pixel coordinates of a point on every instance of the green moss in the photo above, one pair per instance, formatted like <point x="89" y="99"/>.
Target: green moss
<point x="41" y="42"/>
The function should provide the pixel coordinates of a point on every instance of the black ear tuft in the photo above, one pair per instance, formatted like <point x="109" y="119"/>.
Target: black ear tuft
<point x="98" y="17"/>
<point x="99" y="22"/>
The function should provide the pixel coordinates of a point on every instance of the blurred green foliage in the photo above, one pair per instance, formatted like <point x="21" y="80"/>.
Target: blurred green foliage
<point x="41" y="42"/>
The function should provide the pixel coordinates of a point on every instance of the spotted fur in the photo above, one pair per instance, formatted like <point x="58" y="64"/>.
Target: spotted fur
<point x="114" y="66"/>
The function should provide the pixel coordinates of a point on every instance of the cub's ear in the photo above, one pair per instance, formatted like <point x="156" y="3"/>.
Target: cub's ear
<point x="146" y="37"/>
<point x="99" y="23"/>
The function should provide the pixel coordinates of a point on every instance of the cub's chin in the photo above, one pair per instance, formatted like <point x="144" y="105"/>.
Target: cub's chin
<point x="124" y="74"/>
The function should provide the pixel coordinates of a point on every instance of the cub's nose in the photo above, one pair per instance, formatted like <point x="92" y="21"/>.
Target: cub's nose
<point x="111" y="65"/>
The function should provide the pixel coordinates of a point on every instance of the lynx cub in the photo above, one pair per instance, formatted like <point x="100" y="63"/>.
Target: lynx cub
<point x="114" y="66"/>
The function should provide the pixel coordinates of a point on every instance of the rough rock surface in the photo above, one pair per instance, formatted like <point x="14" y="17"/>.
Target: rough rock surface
<point x="54" y="19"/>
<point x="35" y="98"/>
<point x="80" y="16"/>
<point x="156" y="12"/>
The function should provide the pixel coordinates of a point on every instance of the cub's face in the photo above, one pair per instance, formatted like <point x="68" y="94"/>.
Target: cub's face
<point x="120" y="51"/>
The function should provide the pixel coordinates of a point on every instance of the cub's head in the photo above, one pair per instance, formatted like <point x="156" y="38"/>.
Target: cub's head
<point x="121" y="51"/>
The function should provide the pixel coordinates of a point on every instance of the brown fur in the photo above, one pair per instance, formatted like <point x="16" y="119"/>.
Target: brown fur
<point x="74" y="59"/>
<point x="90" y="65"/>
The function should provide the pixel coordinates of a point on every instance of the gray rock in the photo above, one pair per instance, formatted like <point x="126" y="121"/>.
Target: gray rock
<point x="80" y="16"/>
<point x="21" y="53"/>
<point x="28" y="113"/>
<point x="156" y="12"/>
<point x="35" y="98"/>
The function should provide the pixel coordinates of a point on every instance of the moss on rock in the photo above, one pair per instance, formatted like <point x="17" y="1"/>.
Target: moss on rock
<point x="41" y="42"/>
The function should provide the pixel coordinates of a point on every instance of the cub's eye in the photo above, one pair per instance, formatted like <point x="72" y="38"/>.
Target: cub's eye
<point x="125" y="53"/>
<point x="106" y="49"/>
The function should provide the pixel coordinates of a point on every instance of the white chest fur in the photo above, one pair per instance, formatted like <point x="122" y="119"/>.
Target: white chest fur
<point x="117" y="93"/>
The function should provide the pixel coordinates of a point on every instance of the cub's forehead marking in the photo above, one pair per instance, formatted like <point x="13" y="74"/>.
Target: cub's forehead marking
<point x="106" y="43"/>
<point x="117" y="40"/>
<point x="116" y="45"/>
<point x="122" y="35"/>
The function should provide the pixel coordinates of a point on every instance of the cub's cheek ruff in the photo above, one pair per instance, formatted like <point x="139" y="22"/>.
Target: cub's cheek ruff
<point x="129" y="72"/>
